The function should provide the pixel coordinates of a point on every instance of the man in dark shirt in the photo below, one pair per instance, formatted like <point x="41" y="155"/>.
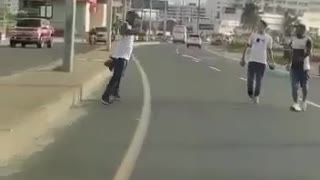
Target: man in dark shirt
<point x="299" y="66"/>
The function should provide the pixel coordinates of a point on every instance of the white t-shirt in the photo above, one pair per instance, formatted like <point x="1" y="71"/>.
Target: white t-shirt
<point x="259" y="44"/>
<point x="125" y="47"/>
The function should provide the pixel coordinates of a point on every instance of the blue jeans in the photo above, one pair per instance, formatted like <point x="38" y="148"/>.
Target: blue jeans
<point x="299" y="78"/>
<point x="255" y="74"/>
<point x="119" y="66"/>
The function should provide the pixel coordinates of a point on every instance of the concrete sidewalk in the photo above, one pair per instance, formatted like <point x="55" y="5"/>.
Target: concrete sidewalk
<point x="32" y="102"/>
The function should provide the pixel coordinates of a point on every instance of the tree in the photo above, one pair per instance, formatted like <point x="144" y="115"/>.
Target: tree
<point x="250" y="16"/>
<point x="289" y="21"/>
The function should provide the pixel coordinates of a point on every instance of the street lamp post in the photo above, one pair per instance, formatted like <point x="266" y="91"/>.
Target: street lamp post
<point x="150" y="20"/>
<point x="69" y="33"/>
<point x="198" y="18"/>
<point x="109" y="24"/>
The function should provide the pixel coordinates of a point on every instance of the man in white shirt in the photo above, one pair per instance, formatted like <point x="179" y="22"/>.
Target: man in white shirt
<point x="121" y="55"/>
<point x="299" y="66"/>
<point x="260" y="44"/>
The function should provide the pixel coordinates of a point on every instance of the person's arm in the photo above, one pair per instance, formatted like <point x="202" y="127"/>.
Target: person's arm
<point x="308" y="48"/>
<point x="270" y="52"/>
<point x="125" y="31"/>
<point x="290" y="55"/>
<point x="250" y="41"/>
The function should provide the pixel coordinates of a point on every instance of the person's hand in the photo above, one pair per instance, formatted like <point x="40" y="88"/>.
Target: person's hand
<point x="272" y="66"/>
<point x="288" y="67"/>
<point x="242" y="63"/>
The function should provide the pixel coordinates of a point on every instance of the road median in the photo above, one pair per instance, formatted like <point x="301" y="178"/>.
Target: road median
<point x="32" y="103"/>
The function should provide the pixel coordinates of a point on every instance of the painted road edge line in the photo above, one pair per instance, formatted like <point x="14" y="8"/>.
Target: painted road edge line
<point x="214" y="68"/>
<point x="127" y="165"/>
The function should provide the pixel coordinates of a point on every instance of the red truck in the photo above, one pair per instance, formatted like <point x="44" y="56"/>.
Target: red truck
<point x="36" y="31"/>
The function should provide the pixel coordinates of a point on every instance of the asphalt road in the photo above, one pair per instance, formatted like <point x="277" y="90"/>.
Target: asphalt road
<point x="15" y="60"/>
<point x="202" y="126"/>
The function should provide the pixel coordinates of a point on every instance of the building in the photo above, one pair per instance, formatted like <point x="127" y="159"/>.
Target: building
<point x="90" y="13"/>
<point x="186" y="14"/>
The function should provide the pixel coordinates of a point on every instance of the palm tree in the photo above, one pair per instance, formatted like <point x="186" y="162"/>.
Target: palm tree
<point x="289" y="22"/>
<point x="250" y="16"/>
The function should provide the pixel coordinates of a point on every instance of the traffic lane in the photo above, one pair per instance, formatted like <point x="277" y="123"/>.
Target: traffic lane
<point x="202" y="127"/>
<point x="232" y="66"/>
<point x="14" y="60"/>
<point x="92" y="140"/>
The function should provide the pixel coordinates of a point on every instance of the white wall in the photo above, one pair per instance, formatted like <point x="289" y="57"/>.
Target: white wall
<point x="83" y="18"/>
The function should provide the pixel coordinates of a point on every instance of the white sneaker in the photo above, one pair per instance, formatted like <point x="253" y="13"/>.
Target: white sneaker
<point x="304" y="106"/>
<point x="256" y="100"/>
<point x="296" y="107"/>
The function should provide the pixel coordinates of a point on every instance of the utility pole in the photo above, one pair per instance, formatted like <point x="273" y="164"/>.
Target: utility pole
<point x="165" y="20"/>
<point x="150" y="20"/>
<point x="109" y="24"/>
<point x="69" y="33"/>
<point x="125" y="9"/>
<point x="198" y="18"/>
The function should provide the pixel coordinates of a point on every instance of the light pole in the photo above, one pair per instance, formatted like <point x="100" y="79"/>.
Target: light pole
<point x="109" y="23"/>
<point x="69" y="33"/>
<point x="150" y="20"/>
<point x="198" y="18"/>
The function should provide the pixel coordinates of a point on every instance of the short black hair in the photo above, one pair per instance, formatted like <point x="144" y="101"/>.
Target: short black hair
<point x="264" y="23"/>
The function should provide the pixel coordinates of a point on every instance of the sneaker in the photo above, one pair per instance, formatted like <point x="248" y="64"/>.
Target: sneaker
<point x="106" y="101"/>
<point x="116" y="96"/>
<point x="304" y="106"/>
<point x="256" y="100"/>
<point x="296" y="107"/>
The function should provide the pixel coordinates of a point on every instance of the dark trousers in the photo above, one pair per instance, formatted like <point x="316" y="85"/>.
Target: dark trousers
<point x="255" y="74"/>
<point x="299" y="77"/>
<point x="112" y="88"/>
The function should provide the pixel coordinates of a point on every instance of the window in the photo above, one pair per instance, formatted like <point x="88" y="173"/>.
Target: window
<point x="29" y="23"/>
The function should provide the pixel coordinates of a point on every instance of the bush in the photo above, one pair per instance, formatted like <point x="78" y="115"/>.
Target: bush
<point x="237" y="46"/>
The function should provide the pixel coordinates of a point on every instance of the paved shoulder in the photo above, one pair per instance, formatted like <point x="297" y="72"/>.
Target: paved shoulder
<point x="92" y="141"/>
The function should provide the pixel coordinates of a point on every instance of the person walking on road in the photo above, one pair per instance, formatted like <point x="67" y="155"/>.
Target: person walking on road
<point x="299" y="66"/>
<point x="120" y="56"/>
<point x="260" y="45"/>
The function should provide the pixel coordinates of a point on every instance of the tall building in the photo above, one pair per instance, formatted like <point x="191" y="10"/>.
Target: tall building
<point x="186" y="13"/>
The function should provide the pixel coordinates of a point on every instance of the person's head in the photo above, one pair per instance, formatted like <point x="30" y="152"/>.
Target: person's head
<point x="131" y="17"/>
<point x="262" y="26"/>
<point x="300" y="30"/>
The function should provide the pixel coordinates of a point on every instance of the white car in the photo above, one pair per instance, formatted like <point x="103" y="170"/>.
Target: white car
<point x="194" y="40"/>
<point x="101" y="34"/>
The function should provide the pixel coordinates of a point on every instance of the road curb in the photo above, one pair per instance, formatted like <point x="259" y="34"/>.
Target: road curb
<point x="28" y="137"/>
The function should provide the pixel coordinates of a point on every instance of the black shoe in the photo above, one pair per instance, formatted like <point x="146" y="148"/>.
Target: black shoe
<point x="117" y="96"/>
<point x="106" y="101"/>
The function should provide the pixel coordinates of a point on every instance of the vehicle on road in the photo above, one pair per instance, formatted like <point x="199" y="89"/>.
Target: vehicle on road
<point x="99" y="35"/>
<point x="36" y="31"/>
<point x="179" y="34"/>
<point x="194" y="40"/>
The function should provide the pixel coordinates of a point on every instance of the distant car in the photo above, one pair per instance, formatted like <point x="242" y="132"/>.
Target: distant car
<point x="194" y="40"/>
<point x="36" y="31"/>
<point x="179" y="34"/>
<point x="102" y="34"/>
<point x="217" y="42"/>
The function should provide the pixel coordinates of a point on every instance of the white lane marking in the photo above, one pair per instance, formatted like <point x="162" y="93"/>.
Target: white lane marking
<point x="214" y="68"/>
<point x="243" y="79"/>
<point x="313" y="104"/>
<point x="127" y="165"/>
<point x="177" y="51"/>
<point x="191" y="57"/>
